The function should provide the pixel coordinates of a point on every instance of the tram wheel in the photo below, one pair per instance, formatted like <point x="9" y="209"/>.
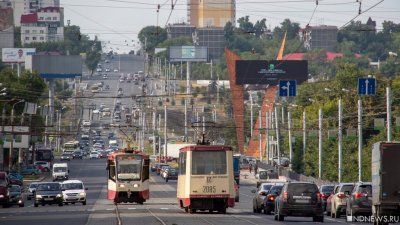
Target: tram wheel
<point x="186" y="209"/>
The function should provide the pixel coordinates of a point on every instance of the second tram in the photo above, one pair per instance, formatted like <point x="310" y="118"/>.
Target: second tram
<point x="128" y="177"/>
<point x="206" y="179"/>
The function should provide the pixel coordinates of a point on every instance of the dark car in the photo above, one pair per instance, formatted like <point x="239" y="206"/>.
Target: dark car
<point x="171" y="174"/>
<point x="259" y="195"/>
<point x="299" y="199"/>
<point x="154" y="167"/>
<point x="269" y="200"/>
<point x="359" y="201"/>
<point x="48" y="193"/>
<point x="159" y="166"/>
<point x="16" y="196"/>
<point x="103" y="154"/>
<point x="77" y="155"/>
<point x="15" y="181"/>
<point x="326" y="191"/>
<point x="66" y="157"/>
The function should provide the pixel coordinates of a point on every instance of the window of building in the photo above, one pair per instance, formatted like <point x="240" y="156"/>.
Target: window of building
<point x="42" y="38"/>
<point x="26" y="31"/>
<point x="27" y="38"/>
<point x="34" y="38"/>
<point x="54" y="18"/>
<point x="41" y="18"/>
<point x="42" y="31"/>
<point x="34" y="31"/>
<point x="48" y="18"/>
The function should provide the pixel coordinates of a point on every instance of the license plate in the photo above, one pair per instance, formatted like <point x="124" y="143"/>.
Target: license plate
<point x="48" y="199"/>
<point x="302" y="201"/>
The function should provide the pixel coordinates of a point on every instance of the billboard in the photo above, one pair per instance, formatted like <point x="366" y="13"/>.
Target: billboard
<point x="188" y="53"/>
<point x="270" y="71"/>
<point x="55" y="66"/>
<point x="16" y="55"/>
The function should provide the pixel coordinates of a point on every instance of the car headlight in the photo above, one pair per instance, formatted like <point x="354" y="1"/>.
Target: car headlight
<point x="38" y="196"/>
<point x="59" y="196"/>
<point x="122" y="185"/>
<point x="136" y="185"/>
<point x="82" y="194"/>
<point x="1" y="196"/>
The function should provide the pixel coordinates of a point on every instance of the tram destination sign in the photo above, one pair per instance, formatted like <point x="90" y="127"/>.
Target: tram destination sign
<point x="270" y="71"/>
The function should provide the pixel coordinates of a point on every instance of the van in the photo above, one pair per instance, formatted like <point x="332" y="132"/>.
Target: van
<point x="4" y="189"/>
<point x="60" y="171"/>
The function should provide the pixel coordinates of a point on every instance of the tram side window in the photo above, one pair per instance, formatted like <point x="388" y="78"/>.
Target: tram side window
<point x="111" y="172"/>
<point x="208" y="162"/>
<point x="182" y="163"/>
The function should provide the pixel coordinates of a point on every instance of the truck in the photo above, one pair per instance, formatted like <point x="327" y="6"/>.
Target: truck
<point x="173" y="149"/>
<point x="60" y="171"/>
<point x="385" y="169"/>
<point x="236" y="168"/>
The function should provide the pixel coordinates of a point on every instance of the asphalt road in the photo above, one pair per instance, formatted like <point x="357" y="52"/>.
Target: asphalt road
<point x="162" y="207"/>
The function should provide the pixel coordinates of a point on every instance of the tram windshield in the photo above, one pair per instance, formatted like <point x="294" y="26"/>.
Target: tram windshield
<point x="208" y="162"/>
<point x="129" y="170"/>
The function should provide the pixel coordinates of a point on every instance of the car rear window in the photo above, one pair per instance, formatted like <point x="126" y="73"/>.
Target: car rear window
<point x="367" y="189"/>
<point x="327" y="189"/>
<point x="276" y="189"/>
<point x="266" y="187"/>
<point x="348" y="188"/>
<point x="302" y="188"/>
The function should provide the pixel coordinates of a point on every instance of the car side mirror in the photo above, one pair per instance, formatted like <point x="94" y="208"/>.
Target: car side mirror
<point x="63" y="189"/>
<point x="253" y="191"/>
<point x="86" y="189"/>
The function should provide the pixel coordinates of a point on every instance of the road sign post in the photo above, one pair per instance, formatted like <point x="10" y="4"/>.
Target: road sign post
<point x="287" y="88"/>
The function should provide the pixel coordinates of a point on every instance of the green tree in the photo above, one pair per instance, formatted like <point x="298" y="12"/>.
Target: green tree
<point x="292" y="30"/>
<point x="151" y="36"/>
<point x="260" y="27"/>
<point x="245" y="25"/>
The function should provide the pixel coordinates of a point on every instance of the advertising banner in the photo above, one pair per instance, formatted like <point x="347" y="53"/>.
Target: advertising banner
<point x="188" y="53"/>
<point x="270" y="71"/>
<point x="16" y="55"/>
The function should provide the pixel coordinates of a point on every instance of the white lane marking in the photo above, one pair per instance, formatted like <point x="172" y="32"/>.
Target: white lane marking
<point x="91" y="210"/>
<point x="109" y="209"/>
<point x="131" y="208"/>
<point x="164" y="208"/>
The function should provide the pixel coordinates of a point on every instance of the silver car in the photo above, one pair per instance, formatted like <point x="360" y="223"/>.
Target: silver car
<point x="260" y="194"/>
<point x="31" y="190"/>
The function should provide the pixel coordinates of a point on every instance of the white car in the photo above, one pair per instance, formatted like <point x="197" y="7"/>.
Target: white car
<point x="108" y="70"/>
<point x="105" y="76"/>
<point x="74" y="191"/>
<point x="86" y="123"/>
<point x="99" y="69"/>
<point x="94" y="155"/>
<point x="116" y="70"/>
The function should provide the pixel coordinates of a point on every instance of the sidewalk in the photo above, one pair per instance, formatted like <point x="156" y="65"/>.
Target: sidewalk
<point x="247" y="178"/>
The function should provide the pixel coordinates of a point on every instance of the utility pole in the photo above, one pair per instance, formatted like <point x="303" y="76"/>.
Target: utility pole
<point x="3" y="116"/>
<point x="165" y="134"/>
<point x="159" y="137"/>
<point x="340" y="139"/>
<point x="320" y="143"/>
<point x="304" y="132"/>
<point x="188" y="65"/>
<point x="277" y="135"/>
<point x="290" y="138"/>
<point x="260" y="118"/>
<point x="267" y="135"/>
<point x="154" y="129"/>
<point x="389" y="114"/>
<point x="251" y="114"/>
<point x="360" y="140"/>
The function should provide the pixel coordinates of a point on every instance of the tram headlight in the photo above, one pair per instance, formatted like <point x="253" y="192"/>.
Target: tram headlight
<point x="136" y="185"/>
<point x="122" y="185"/>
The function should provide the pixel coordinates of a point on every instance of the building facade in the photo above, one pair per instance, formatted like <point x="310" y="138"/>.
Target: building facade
<point x="211" y="13"/>
<point x="6" y="29"/>
<point x="320" y="37"/>
<point x="22" y="7"/>
<point x="47" y="25"/>
<point x="180" y="30"/>
<point x="213" y="38"/>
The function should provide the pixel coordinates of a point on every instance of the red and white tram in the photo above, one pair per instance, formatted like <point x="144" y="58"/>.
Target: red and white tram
<point x="205" y="180"/>
<point x="128" y="177"/>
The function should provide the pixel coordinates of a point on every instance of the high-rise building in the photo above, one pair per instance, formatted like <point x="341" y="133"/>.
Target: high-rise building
<point x="321" y="37"/>
<point x="211" y="13"/>
<point x="22" y="7"/>
<point x="6" y="29"/>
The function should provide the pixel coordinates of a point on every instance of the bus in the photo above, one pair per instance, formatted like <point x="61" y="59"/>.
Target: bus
<point x="206" y="179"/>
<point x="44" y="154"/>
<point x="128" y="177"/>
<point x="71" y="146"/>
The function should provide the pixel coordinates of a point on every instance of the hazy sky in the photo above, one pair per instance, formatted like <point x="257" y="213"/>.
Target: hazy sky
<point x="117" y="22"/>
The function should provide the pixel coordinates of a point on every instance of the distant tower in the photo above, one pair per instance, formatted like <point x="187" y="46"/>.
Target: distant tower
<point x="211" y="13"/>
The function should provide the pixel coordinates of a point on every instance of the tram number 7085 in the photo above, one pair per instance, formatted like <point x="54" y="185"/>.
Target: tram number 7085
<point x="209" y="189"/>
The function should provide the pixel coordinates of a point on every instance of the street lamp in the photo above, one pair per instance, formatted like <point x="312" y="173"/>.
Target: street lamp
<point x="12" y="134"/>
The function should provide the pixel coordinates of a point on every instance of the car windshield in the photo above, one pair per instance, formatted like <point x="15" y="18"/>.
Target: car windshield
<point x="33" y="185"/>
<point x="48" y="187"/>
<point x="345" y="188"/>
<point x="276" y="190"/>
<point x="60" y="169"/>
<point x="266" y="187"/>
<point x="302" y="188"/>
<point x="3" y="182"/>
<point x="15" y="189"/>
<point x="129" y="170"/>
<point x="366" y="189"/>
<point x="73" y="186"/>
<point x="65" y="155"/>
<point x="327" y="189"/>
